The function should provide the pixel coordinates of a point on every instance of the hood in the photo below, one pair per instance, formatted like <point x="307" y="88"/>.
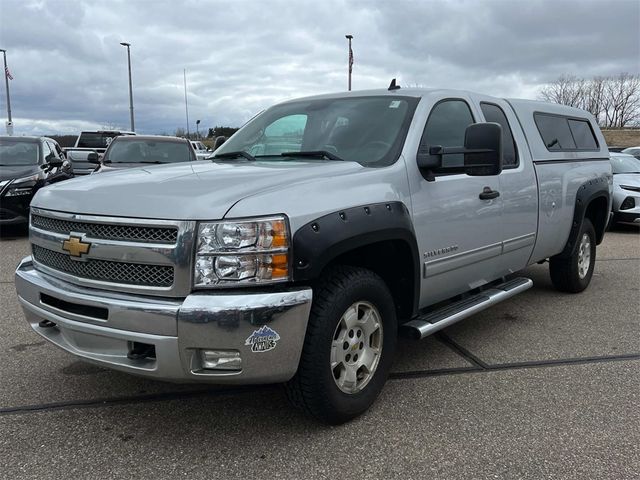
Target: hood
<point x="631" y="179"/>
<point x="18" y="171"/>
<point x="185" y="191"/>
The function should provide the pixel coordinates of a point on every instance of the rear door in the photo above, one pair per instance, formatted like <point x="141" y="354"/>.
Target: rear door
<point x="518" y="186"/>
<point x="459" y="234"/>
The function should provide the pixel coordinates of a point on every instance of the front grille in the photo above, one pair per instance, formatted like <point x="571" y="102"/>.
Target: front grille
<point x="108" y="271"/>
<point x="107" y="231"/>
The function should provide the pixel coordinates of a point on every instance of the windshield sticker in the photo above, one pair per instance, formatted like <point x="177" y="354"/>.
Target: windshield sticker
<point x="394" y="104"/>
<point x="263" y="339"/>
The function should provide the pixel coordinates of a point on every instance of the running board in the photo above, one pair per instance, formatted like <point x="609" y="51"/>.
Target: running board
<point x="429" y="323"/>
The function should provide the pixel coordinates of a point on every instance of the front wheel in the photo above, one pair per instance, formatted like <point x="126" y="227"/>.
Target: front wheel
<point x="349" y="346"/>
<point x="573" y="274"/>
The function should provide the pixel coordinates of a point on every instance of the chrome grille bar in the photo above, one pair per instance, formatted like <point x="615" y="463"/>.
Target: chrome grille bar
<point x="108" y="271"/>
<point x="126" y="233"/>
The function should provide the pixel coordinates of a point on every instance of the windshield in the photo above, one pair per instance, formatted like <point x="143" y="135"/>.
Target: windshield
<point x="95" y="139"/>
<point x="148" y="151"/>
<point x="367" y="130"/>
<point x="620" y="164"/>
<point x="16" y="153"/>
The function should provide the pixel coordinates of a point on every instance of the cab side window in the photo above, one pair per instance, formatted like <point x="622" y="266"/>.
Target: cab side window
<point x="493" y="113"/>
<point x="446" y="126"/>
<point x="47" y="154"/>
<point x="54" y="150"/>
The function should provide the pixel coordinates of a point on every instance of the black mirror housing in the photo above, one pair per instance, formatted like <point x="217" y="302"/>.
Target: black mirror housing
<point x="483" y="149"/>
<point x="93" y="158"/>
<point x="428" y="160"/>
<point x="55" y="162"/>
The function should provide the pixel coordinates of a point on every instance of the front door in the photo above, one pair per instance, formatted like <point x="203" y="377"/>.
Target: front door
<point x="459" y="234"/>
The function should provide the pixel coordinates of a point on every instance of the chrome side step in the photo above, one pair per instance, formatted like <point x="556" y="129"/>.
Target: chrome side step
<point x="429" y="323"/>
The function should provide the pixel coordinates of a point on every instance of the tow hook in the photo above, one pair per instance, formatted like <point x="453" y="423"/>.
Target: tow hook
<point x="46" y="324"/>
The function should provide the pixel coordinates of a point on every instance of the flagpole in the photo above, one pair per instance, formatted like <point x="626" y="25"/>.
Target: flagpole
<point x="350" y="37"/>
<point x="186" y="105"/>
<point x="6" y="81"/>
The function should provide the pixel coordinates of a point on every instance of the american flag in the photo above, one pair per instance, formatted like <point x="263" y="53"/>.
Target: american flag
<point x="8" y="73"/>
<point x="350" y="59"/>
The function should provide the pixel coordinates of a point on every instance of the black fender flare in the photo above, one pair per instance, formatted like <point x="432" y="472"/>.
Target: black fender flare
<point x="588" y="191"/>
<point x="324" y="239"/>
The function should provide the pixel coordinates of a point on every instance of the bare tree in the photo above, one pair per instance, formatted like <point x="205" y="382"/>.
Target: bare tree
<point x="614" y="100"/>
<point x="567" y="90"/>
<point x="623" y="91"/>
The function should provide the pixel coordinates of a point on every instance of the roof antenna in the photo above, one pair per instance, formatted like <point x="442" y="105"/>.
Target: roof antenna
<point x="393" y="86"/>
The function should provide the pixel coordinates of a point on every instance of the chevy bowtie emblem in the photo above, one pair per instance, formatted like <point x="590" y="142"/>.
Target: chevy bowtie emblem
<point x="75" y="246"/>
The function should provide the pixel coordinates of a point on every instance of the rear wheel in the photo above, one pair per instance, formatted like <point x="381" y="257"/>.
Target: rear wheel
<point x="349" y="346"/>
<point x="573" y="273"/>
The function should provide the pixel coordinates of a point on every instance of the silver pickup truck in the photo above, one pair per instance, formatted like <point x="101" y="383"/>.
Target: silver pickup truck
<point x="320" y="230"/>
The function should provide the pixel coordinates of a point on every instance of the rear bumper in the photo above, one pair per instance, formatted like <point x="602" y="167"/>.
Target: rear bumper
<point x="101" y="327"/>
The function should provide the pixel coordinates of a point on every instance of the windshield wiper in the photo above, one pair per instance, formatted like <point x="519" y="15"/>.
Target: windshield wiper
<point x="313" y="154"/>
<point x="237" y="154"/>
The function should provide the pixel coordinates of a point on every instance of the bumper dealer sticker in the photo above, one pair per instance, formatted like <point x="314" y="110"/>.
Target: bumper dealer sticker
<point x="263" y="339"/>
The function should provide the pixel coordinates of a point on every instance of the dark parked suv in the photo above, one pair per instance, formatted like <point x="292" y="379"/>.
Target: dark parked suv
<point x="140" y="151"/>
<point x="26" y="165"/>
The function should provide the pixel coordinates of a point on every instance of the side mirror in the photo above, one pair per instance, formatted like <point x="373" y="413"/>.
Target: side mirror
<point x="482" y="153"/>
<point x="55" y="162"/>
<point x="93" y="158"/>
<point x="483" y="149"/>
<point x="219" y="141"/>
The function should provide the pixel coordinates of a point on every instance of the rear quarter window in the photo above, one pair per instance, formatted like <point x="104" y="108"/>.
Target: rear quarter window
<point x="582" y="134"/>
<point x="493" y="113"/>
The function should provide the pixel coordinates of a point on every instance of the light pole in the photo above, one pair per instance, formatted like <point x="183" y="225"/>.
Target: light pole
<point x="198" y="129"/>
<point x="350" y="37"/>
<point x="128" y="45"/>
<point x="6" y="81"/>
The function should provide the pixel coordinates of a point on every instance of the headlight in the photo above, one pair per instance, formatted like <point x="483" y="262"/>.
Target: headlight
<point x="22" y="186"/>
<point x="242" y="252"/>
<point x="19" y="191"/>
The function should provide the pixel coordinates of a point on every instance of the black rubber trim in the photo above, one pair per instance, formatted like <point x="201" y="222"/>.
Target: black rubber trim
<point x="625" y="217"/>
<point x="569" y="160"/>
<point x="320" y="241"/>
<point x="75" y="308"/>
<point x="588" y="191"/>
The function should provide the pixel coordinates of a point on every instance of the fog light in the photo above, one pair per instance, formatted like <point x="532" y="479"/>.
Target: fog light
<point x="220" y="360"/>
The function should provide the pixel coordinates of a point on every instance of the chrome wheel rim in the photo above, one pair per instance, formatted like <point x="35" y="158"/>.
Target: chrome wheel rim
<point x="584" y="256"/>
<point x="356" y="347"/>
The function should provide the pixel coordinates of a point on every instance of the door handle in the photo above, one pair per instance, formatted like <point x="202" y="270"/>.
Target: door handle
<point x="488" y="194"/>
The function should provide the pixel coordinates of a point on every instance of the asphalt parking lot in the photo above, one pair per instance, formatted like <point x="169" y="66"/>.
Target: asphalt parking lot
<point x="546" y="385"/>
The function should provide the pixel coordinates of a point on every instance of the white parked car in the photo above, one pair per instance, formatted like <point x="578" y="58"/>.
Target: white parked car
<point x="626" y="188"/>
<point x="635" y="151"/>
<point x="202" y="151"/>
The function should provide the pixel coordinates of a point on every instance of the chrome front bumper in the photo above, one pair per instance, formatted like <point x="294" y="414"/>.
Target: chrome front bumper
<point x="101" y="327"/>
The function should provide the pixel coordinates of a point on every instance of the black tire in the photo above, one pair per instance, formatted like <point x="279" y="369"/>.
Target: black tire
<point x="313" y="388"/>
<point x="565" y="271"/>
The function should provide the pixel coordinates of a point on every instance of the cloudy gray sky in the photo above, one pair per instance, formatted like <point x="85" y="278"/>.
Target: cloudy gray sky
<point x="241" y="56"/>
